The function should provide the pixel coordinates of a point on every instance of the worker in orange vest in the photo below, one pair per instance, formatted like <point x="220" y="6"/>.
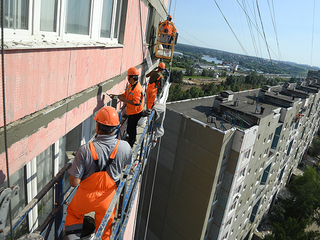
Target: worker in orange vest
<point x="133" y="97"/>
<point x="168" y="26"/>
<point x="97" y="167"/>
<point x="155" y="85"/>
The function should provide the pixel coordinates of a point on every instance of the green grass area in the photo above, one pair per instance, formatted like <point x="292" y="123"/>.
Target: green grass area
<point x="177" y="68"/>
<point x="198" y="77"/>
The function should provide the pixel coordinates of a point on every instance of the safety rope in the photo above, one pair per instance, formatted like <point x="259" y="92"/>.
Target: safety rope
<point x="152" y="188"/>
<point x="4" y="112"/>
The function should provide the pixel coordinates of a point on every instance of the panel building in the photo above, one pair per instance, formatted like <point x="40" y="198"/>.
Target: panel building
<point x="224" y="159"/>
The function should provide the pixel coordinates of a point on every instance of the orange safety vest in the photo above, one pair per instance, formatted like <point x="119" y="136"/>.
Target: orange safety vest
<point x="152" y="91"/>
<point x="134" y="93"/>
<point x="94" y="194"/>
<point x="169" y="26"/>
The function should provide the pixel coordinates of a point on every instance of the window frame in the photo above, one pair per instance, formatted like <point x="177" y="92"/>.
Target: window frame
<point x="94" y="32"/>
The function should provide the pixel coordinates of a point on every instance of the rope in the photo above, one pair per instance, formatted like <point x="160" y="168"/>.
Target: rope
<point x="264" y="34"/>
<point x="153" y="181"/>
<point x="4" y="112"/>
<point x="243" y="49"/>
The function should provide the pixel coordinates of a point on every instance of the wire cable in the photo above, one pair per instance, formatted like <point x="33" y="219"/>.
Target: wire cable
<point x="264" y="34"/>
<point x="243" y="49"/>
<point x="273" y="18"/>
<point x="152" y="188"/>
<point x="193" y="37"/>
<point x="4" y="112"/>
<point x="258" y="31"/>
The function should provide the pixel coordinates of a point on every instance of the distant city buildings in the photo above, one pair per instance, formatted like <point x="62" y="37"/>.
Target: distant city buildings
<point x="224" y="159"/>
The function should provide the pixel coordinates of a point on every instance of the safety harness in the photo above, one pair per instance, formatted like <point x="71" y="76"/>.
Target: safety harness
<point x="95" y="156"/>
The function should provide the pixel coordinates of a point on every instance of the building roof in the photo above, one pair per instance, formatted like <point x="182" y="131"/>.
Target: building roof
<point x="242" y="111"/>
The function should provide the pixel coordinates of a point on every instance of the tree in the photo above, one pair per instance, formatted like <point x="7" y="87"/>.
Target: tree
<point x="290" y="218"/>
<point x="189" y="71"/>
<point x="176" y="76"/>
<point x="205" y="72"/>
<point x="314" y="149"/>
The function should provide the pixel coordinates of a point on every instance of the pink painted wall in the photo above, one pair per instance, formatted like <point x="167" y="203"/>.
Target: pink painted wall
<point x="35" y="79"/>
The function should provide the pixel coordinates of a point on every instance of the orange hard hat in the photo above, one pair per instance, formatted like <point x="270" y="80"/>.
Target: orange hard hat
<point x="107" y="116"/>
<point x="170" y="16"/>
<point x="132" y="72"/>
<point x="162" y="65"/>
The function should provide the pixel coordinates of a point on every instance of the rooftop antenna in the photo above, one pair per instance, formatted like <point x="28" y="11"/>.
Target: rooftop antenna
<point x="223" y="118"/>
<point x="235" y="118"/>
<point x="256" y="111"/>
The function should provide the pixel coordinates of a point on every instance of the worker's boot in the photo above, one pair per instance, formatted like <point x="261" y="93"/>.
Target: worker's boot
<point x="88" y="228"/>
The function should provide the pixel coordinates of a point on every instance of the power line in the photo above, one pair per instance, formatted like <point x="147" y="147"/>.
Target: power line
<point x="193" y="36"/>
<point x="243" y="49"/>
<point x="255" y="25"/>
<point x="273" y="18"/>
<point x="264" y="34"/>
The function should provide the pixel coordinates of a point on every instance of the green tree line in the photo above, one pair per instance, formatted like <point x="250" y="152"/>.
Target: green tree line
<point x="290" y="218"/>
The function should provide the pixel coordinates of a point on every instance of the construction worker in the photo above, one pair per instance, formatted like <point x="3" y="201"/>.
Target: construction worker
<point x="155" y="85"/>
<point x="97" y="167"/>
<point x="167" y="27"/>
<point x="133" y="97"/>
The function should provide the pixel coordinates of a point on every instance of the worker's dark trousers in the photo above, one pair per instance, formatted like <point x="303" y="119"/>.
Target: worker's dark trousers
<point x="132" y="127"/>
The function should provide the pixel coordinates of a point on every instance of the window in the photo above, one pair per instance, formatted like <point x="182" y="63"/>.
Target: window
<point x="237" y="189"/>
<point x="233" y="206"/>
<point x="228" y="223"/>
<point x="216" y="196"/>
<point x="224" y="161"/>
<point x="65" y="20"/>
<point x="48" y="13"/>
<point x="78" y="16"/>
<point x="225" y="236"/>
<point x="220" y="178"/>
<point x="16" y="14"/>
<point x="242" y="172"/>
<point x="246" y="155"/>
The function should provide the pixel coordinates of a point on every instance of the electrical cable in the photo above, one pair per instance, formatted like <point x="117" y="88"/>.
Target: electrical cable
<point x="152" y="188"/>
<point x="264" y="34"/>
<point x="250" y="29"/>
<point x="4" y="112"/>
<point x="273" y="18"/>
<point x="243" y="49"/>
<point x="255" y="25"/>
<point x="193" y="37"/>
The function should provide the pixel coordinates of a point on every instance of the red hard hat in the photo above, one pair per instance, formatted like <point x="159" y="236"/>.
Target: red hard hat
<point x="107" y="116"/>
<point x="132" y="72"/>
<point x="170" y="16"/>
<point x="162" y="65"/>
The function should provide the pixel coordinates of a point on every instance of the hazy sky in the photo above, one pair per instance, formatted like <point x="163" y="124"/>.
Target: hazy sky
<point x="297" y="24"/>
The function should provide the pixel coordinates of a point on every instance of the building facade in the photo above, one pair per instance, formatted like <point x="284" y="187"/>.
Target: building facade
<point x="224" y="159"/>
<point x="61" y="58"/>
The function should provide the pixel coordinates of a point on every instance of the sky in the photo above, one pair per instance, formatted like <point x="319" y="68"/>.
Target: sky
<point x="291" y="28"/>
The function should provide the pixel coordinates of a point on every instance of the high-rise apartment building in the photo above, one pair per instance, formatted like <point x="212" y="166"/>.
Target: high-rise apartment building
<point x="223" y="160"/>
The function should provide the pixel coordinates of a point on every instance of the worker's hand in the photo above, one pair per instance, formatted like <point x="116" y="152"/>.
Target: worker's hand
<point x="122" y="98"/>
